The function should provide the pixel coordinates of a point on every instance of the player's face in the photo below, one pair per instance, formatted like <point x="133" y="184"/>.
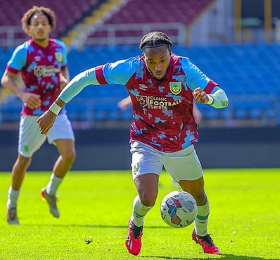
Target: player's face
<point x="157" y="60"/>
<point x="39" y="28"/>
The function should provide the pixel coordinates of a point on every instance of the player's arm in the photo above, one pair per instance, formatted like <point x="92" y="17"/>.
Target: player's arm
<point x="124" y="103"/>
<point x="8" y="81"/>
<point x="64" y="77"/>
<point x="205" y="91"/>
<point x="217" y="98"/>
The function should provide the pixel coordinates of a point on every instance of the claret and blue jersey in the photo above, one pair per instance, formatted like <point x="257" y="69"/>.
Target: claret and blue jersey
<point x="40" y="68"/>
<point x="162" y="110"/>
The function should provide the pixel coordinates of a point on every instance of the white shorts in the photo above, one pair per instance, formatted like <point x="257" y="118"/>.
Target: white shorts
<point x="182" y="165"/>
<point x="30" y="138"/>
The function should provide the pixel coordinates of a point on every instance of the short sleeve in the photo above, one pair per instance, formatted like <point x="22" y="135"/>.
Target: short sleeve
<point x="121" y="71"/>
<point x="18" y="59"/>
<point x="195" y="77"/>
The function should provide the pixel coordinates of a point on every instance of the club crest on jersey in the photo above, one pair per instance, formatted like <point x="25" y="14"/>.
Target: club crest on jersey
<point x="175" y="87"/>
<point x="58" y="56"/>
<point x="38" y="71"/>
<point x="143" y="100"/>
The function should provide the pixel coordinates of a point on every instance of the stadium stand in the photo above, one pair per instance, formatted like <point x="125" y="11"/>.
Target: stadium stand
<point x="158" y="14"/>
<point x="68" y="12"/>
<point x="158" y="11"/>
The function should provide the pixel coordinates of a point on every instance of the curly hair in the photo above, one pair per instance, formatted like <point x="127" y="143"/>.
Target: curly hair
<point x="40" y="10"/>
<point x="155" y="39"/>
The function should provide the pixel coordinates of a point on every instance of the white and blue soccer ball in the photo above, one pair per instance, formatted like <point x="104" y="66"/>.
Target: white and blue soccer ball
<point x="178" y="209"/>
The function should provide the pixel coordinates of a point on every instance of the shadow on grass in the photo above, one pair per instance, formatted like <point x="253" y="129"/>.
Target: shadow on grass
<point x="90" y="226"/>
<point x="222" y="256"/>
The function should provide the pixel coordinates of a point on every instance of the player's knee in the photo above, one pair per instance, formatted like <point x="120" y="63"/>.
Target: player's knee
<point x="148" y="198"/>
<point x="23" y="161"/>
<point x="200" y="197"/>
<point x="69" y="155"/>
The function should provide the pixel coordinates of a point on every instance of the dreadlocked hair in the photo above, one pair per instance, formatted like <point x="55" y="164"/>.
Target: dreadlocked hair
<point x="39" y="10"/>
<point x="155" y="39"/>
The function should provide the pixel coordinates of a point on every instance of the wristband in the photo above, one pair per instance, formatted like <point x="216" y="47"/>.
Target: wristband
<point x="55" y="108"/>
<point x="211" y="100"/>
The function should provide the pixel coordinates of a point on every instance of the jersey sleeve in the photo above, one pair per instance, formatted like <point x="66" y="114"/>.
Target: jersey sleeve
<point x="64" y="54"/>
<point x="111" y="73"/>
<point x="18" y="59"/>
<point x="196" y="78"/>
<point x="63" y="50"/>
<point x="121" y="71"/>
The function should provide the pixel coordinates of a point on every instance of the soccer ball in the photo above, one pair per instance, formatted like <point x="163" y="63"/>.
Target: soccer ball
<point x="178" y="209"/>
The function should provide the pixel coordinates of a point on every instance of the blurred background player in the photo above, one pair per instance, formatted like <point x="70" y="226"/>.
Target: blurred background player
<point x="162" y="87"/>
<point x="42" y="63"/>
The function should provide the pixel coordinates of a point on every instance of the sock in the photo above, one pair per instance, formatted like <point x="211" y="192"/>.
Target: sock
<point x="53" y="184"/>
<point x="138" y="212"/>
<point x="12" y="198"/>
<point x="201" y="220"/>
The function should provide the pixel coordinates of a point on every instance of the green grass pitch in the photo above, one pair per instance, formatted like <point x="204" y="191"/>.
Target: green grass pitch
<point x="244" y="220"/>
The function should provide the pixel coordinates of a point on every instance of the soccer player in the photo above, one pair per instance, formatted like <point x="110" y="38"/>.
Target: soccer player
<point x="162" y="87"/>
<point x="42" y="63"/>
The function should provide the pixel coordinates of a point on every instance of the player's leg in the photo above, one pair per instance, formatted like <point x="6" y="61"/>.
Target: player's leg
<point x="66" y="149"/>
<point x="18" y="171"/>
<point x="146" y="167"/>
<point x="30" y="140"/>
<point x="185" y="168"/>
<point x="196" y="188"/>
<point x="147" y="188"/>
<point x="61" y="134"/>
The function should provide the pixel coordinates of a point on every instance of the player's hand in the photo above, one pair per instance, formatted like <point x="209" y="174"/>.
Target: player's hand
<point x="200" y="96"/>
<point x="124" y="103"/>
<point x="62" y="81"/>
<point x="46" y="121"/>
<point x="32" y="100"/>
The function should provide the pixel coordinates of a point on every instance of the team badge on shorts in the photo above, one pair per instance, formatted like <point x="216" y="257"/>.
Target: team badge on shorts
<point x="175" y="87"/>
<point x="135" y="169"/>
<point x="58" y="56"/>
<point x="26" y="148"/>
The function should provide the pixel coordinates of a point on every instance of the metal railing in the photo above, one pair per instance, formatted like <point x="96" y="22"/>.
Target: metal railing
<point x="111" y="33"/>
<point x="11" y="36"/>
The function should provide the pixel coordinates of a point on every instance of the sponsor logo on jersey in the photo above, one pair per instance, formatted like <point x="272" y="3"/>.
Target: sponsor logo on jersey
<point x="45" y="71"/>
<point x="175" y="87"/>
<point x="58" y="56"/>
<point x="157" y="102"/>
